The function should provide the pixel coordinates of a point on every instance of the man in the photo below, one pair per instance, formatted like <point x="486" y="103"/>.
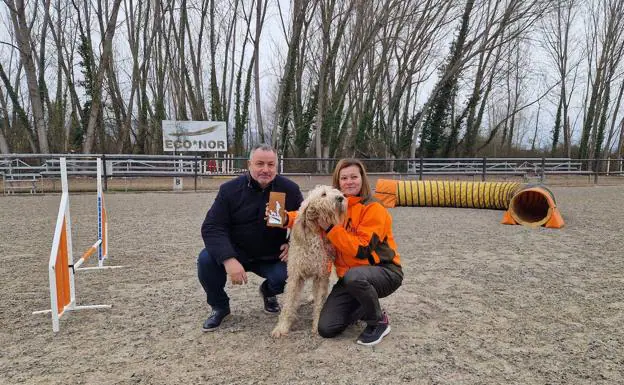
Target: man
<point x="237" y="239"/>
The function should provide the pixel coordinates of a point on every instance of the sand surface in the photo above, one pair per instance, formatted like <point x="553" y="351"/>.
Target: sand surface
<point x="481" y="303"/>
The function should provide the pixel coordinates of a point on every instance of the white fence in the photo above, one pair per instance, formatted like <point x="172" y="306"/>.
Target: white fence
<point x="24" y="172"/>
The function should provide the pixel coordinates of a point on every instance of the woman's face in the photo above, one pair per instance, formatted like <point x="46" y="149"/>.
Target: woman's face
<point x="350" y="181"/>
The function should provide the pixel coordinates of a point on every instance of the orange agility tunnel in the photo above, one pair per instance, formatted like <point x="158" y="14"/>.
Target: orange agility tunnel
<point x="534" y="206"/>
<point x="527" y="205"/>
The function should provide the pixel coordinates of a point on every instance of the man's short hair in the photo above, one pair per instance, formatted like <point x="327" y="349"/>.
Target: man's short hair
<point x="263" y="147"/>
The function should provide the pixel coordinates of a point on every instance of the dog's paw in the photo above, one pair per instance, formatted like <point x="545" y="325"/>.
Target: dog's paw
<point x="279" y="332"/>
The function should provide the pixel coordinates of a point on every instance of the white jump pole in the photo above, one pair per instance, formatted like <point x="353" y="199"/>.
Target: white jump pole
<point x="61" y="266"/>
<point x="101" y="245"/>
<point x="102" y="218"/>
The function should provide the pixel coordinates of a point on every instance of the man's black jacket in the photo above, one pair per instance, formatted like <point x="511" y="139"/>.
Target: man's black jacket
<point x="235" y="224"/>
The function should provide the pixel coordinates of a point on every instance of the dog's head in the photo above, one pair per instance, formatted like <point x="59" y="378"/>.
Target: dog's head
<point x="325" y="204"/>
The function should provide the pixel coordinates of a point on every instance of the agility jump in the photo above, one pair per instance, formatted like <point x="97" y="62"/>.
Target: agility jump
<point x="101" y="244"/>
<point x="61" y="266"/>
<point x="528" y="205"/>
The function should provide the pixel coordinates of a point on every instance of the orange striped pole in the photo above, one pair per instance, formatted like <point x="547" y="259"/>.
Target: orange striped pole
<point x="61" y="270"/>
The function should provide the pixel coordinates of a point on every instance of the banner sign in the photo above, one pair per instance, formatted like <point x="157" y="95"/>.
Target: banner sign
<point x="188" y="135"/>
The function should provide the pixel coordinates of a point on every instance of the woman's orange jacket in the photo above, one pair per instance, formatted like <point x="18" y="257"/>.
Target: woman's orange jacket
<point x="365" y="238"/>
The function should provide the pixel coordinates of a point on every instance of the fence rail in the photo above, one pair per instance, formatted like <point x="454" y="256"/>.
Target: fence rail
<point x="23" y="171"/>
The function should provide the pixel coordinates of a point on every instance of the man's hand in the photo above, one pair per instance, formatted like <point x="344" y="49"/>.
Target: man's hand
<point x="235" y="271"/>
<point x="284" y="254"/>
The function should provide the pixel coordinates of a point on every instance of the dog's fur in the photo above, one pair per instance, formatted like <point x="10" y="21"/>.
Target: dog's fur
<point x="310" y="254"/>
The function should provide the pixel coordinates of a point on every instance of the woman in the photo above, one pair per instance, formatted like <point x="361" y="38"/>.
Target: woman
<point x="367" y="262"/>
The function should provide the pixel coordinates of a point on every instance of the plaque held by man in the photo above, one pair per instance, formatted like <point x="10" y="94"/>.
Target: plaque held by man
<point x="277" y="214"/>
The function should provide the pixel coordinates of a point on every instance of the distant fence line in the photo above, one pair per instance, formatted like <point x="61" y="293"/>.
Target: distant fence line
<point x="22" y="171"/>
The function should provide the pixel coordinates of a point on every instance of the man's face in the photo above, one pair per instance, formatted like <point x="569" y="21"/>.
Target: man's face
<point x="263" y="167"/>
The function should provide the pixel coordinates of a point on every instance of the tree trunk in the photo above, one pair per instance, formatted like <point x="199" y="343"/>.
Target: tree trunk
<point x="260" y="12"/>
<point x="600" y="128"/>
<point x="557" y="128"/>
<point x="216" y="112"/>
<point x="433" y="137"/>
<point x="614" y="115"/>
<point x="22" y="35"/>
<point x="287" y="81"/>
<point x="536" y="129"/>
<point x="5" y="125"/>
<point x="18" y="110"/>
<point x="620" y="151"/>
<point x="104" y="63"/>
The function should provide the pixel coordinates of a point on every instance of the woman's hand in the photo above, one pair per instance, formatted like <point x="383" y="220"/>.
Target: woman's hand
<point x="284" y="217"/>
<point x="323" y="224"/>
<point x="266" y="211"/>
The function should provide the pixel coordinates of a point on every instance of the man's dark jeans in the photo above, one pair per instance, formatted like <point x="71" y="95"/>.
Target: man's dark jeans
<point x="213" y="277"/>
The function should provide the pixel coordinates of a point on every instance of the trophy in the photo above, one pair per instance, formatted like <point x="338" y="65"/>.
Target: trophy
<point x="277" y="202"/>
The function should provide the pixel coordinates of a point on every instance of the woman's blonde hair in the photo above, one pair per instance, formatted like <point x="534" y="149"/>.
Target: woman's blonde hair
<point x="365" y="192"/>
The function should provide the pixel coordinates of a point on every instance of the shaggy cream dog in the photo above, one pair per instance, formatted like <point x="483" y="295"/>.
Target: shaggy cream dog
<point x="310" y="254"/>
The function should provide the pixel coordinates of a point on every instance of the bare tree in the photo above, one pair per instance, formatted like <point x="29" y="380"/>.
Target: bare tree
<point x="606" y="46"/>
<point x="242" y="91"/>
<point x="260" y="14"/>
<point x="488" y="62"/>
<point x="332" y="86"/>
<point x="614" y="116"/>
<point x="20" y="119"/>
<point x="350" y="82"/>
<point x="5" y="124"/>
<point x="380" y="101"/>
<point x="539" y="107"/>
<point x="107" y="52"/>
<point x="437" y="116"/>
<point x="157" y="76"/>
<point x="620" y="148"/>
<point x="216" y="111"/>
<point x="288" y="91"/>
<point x="26" y="50"/>
<point x="68" y="34"/>
<point x="229" y="54"/>
<point x="500" y="24"/>
<point x="560" y="46"/>
<point x="513" y="97"/>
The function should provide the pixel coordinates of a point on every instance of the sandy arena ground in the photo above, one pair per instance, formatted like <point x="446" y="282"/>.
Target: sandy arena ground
<point x="481" y="303"/>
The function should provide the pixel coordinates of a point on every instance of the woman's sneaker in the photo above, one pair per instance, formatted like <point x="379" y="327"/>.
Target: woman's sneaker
<point x="373" y="334"/>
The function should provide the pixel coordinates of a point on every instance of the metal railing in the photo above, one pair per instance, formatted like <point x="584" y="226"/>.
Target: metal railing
<point x="14" y="167"/>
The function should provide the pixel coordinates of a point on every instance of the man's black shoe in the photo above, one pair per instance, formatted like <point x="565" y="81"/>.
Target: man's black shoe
<point x="271" y="305"/>
<point x="216" y="317"/>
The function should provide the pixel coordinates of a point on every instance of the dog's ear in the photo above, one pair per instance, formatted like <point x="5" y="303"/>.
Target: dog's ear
<point x="302" y="222"/>
<point x="311" y="214"/>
